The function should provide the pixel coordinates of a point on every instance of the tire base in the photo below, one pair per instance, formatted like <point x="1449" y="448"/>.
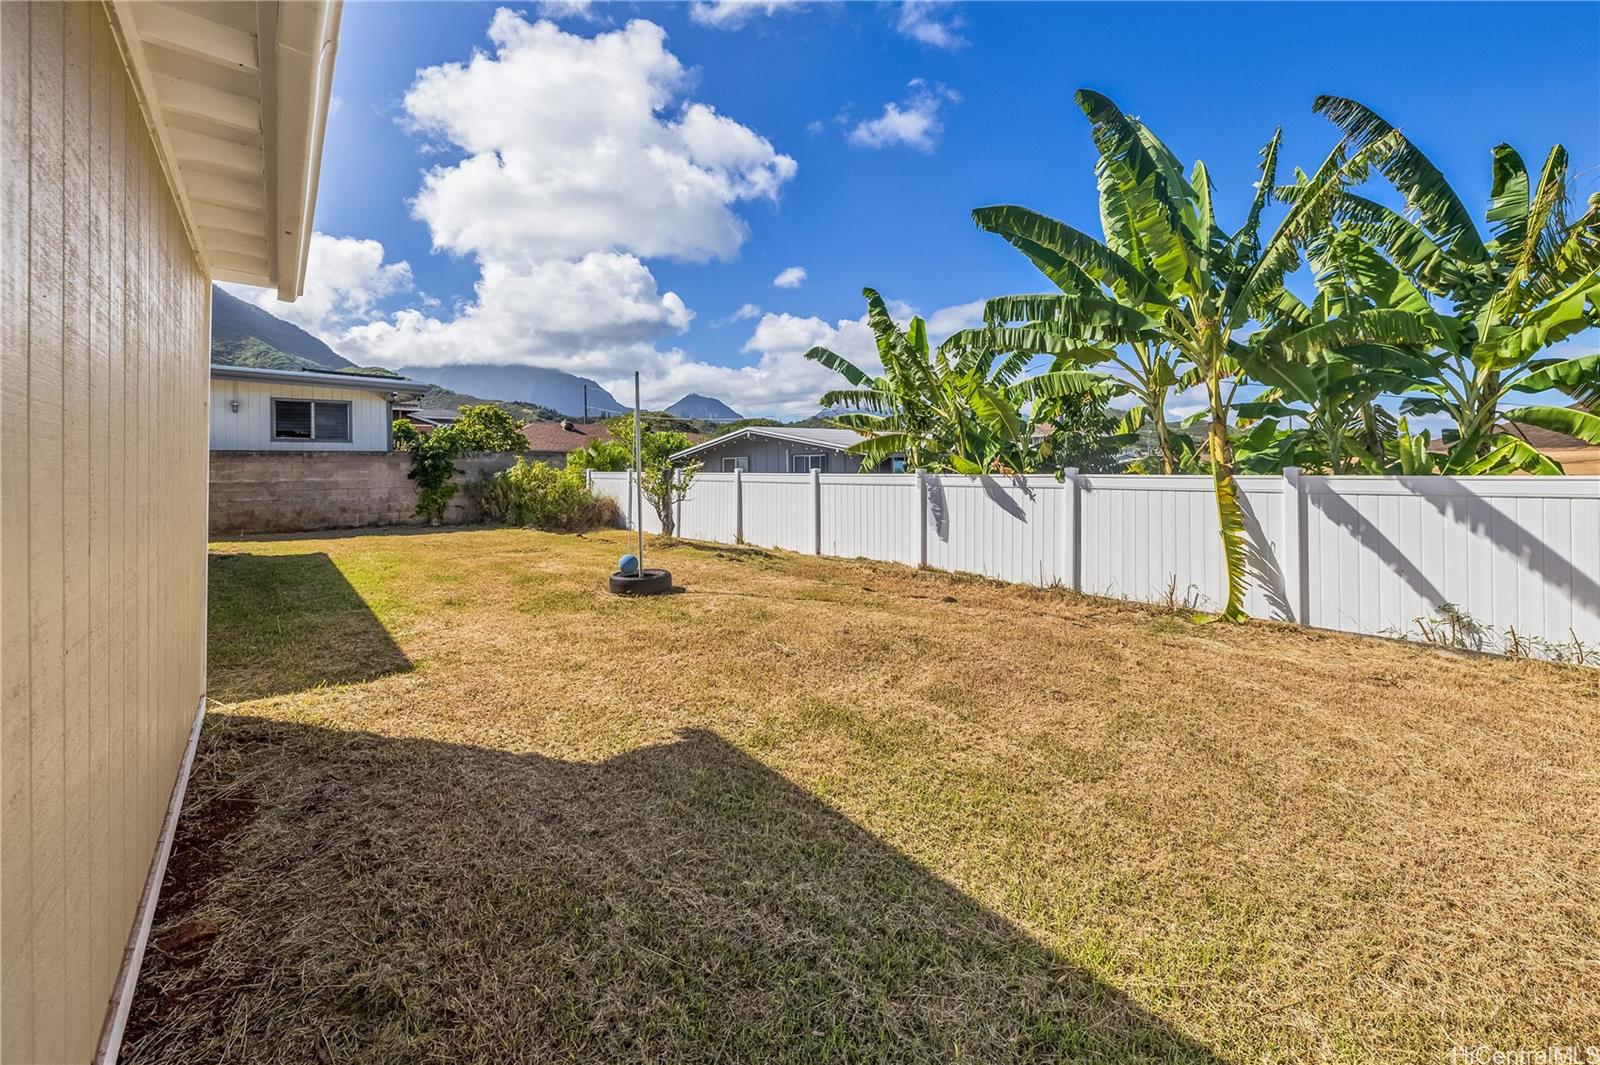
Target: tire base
<point x="646" y="582"/>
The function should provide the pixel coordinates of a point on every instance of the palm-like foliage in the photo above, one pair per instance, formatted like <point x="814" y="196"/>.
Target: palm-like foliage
<point x="964" y="406"/>
<point x="1533" y="281"/>
<point x="1170" y="285"/>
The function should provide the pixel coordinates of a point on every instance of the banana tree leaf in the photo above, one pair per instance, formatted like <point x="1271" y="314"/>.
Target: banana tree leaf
<point x="1085" y="319"/>
<point x="1579" y="377"/>
<point x="840" y="365"/>
<point x="1064" y="244"/>
<point x="1508" y="198"/>
<point x="1259" y="409"/>
<point x="1362" y="327"/>
<point x="1425" y="189"/>
<point x="1510" y="454"/>
<point x="1572" y="422"/>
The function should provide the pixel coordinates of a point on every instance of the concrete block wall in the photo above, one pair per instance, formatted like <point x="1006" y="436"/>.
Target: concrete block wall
<point x="308" y="491"/>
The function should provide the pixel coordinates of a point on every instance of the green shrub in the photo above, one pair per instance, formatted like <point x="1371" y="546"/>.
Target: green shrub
<point x="545" y="498"/>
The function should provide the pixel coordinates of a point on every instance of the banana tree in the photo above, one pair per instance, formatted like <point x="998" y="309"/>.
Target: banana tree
<point x="1167" y="279"/>
<point x="964" y="406"/>
<point x="1532" y="282"/>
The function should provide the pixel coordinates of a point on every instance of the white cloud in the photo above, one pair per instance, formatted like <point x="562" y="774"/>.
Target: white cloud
<point x="793" y="277"/>
<point x="745" y="312"/>
<point x="600" y="314"/>
<point x="782" y="382"/>
<point x="574" y="145"/>
<point x="931" y="22"/>
<point x="735" y="14"/>
<point x="346" y="279"/>
<point x="582" y="10"/>
<point x="913" y="121"/>
<point x="579" y="159"/>
<point x="947" y="320"/>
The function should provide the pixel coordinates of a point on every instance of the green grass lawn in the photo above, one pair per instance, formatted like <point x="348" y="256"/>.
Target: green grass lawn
<point x="454" y="803"/>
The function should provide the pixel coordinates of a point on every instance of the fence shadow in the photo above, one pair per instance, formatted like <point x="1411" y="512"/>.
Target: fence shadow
<point x="400" y="899"/>
<point x="279" y="624"/>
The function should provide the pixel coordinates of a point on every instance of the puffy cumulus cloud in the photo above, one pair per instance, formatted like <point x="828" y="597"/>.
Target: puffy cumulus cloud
<point x="930" y="22"/>
<point x="577" y="159"/>
<point x="597" y="315"/>
<point x="346" y="279"/>
<point x="735" y="14"/>
<point x="573" y="145"/>
<point x="913" y="122"/>
<point x="793" y="277"/>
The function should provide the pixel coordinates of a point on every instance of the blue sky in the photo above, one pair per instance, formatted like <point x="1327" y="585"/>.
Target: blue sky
<point x="848" y="140"/>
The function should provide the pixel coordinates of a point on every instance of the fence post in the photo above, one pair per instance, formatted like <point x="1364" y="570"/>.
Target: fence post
<point x="922" y="519"/>
<point x="816" y="512"/>
<point x="738" y="506"/>
<point x="1071" y="531"/>
<point x="1291" y="552"/>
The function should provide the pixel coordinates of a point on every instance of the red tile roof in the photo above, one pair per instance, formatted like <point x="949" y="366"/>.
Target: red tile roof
<point x="562" y="437"/>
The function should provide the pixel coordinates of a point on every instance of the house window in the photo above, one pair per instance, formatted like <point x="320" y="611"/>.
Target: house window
<point x="311" y="419"/>
<point x="897" y="464"/>
<point x="736" y="462"/>
<point x="807" y="463"/>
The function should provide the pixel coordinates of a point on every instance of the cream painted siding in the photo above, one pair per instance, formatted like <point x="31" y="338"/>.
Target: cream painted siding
<point x="104" y="324"/>
<point x="250" y="427"/>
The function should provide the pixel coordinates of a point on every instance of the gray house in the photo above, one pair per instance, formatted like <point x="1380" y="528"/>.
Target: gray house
<point x="782" y="449"/>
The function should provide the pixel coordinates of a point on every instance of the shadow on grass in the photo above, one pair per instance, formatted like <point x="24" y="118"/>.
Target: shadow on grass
<point x="279" y="624"/>
<point x="408" y="900"/>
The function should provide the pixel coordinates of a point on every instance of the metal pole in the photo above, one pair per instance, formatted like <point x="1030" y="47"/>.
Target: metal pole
<point x="638" y="467"/>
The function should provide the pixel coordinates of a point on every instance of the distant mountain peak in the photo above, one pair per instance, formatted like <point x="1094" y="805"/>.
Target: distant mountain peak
<point x="695" y="405"/>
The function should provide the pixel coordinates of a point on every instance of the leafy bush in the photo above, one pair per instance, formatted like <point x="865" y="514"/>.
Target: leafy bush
<point x="433" y="467"/>
<point x="602" y="456"/>
<point x="544" y="497"/>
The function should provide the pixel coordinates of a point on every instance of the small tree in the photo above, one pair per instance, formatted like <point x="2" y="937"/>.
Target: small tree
<point x="663" y="484"/>
<point x="483" y="428"/>
<point x="404" y="434"/>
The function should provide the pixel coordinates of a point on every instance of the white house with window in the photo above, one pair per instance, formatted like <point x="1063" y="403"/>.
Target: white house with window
<point x="304" y="410"/>
<point x="781" y="449"/>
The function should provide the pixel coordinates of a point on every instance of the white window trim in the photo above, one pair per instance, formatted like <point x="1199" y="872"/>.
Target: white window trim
<point x="822" y="460"/>
<point x="349" y="421"/>
<point x="735" y="458"/>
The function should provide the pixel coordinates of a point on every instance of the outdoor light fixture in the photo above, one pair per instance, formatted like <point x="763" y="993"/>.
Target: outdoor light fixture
<point x="233" y="405"/>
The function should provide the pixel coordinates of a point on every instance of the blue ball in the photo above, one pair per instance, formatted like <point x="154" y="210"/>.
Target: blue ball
<point x="627" y="565"/>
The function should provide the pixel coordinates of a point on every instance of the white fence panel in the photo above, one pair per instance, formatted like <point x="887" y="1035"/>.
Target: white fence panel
<point x="709" y="509"/>
<point x="780" y="511"/>
<point x="1008" y="528"/>
<point x="1518" y="552"/>
<point x="1362" y="554"/>
<point x="872" y="515"/>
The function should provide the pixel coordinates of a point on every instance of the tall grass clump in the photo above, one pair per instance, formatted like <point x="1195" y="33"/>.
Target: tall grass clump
<point x="539" y="495"/>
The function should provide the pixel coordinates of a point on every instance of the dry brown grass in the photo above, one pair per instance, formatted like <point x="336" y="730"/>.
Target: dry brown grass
<point x="468" y="807"/>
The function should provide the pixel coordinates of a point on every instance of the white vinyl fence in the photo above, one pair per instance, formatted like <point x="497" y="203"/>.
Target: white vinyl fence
<point x="1361" y="554"/>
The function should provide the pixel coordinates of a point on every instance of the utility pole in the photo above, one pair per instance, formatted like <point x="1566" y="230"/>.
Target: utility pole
<point x="638" y="469"/>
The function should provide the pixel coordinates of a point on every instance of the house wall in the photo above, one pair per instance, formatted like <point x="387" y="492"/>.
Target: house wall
<point x="773" y="456"/>
<point x="104" y="327"/>
<point x="277" y="491"/>
<point x="250" y="427"/>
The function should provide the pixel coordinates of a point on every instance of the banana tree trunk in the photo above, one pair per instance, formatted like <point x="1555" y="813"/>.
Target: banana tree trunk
<point x="1230" y="514"/>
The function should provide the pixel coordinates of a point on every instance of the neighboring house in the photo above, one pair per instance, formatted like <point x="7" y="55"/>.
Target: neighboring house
<point x="301" y="410"/>
<point x="427" y="419"/>
<point x="551" y="441"/>
<point x="149" y="149"/>
<point x="781" y="449"/>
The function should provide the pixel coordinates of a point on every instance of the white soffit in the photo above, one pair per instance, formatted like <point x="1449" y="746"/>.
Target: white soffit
<point x="237" y="95"/>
